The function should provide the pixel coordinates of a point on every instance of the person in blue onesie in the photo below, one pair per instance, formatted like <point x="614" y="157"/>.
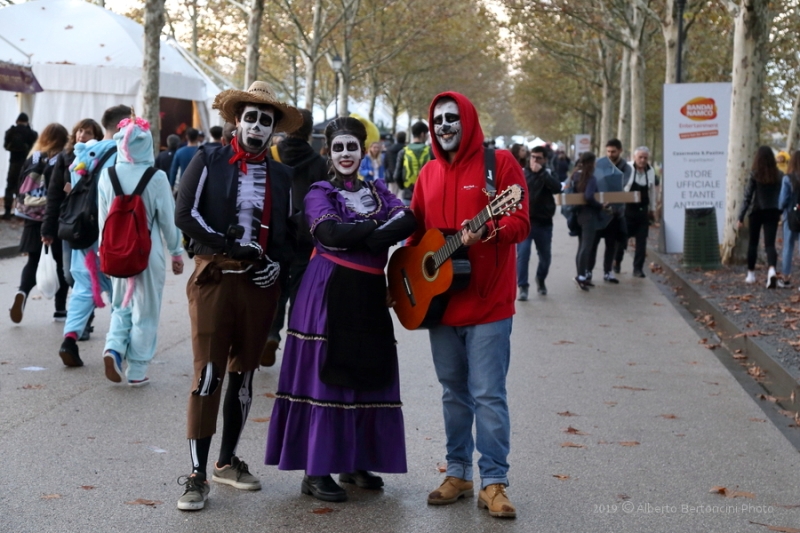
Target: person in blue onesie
<point x="136" y="301"/>
<point x="85" y="266"/>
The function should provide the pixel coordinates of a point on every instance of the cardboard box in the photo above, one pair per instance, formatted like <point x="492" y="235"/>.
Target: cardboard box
<point x="602" y="197"/>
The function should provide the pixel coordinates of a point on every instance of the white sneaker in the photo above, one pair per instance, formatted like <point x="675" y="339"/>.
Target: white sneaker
<point x="772" y="278"/>
<point x="751" y="277"/>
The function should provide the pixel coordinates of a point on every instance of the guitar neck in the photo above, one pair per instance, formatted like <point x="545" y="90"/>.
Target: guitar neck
<point x="453" y="242"/>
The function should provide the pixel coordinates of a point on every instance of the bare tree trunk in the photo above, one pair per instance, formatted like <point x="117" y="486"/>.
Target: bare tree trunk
<point x="312" y="56"/>
<point x="351" y="8"/>
<point x="793" y="136"/>
<point x="609" y="69"/>
<point x="669" y="28"/>
<point x="193" y="20"/>
<point x="624" y="117"/>
<point x="749" y="56"/>
<point x="637" y="82"/>
<point x="153" y="24"/>
<point x="253" y="32"/>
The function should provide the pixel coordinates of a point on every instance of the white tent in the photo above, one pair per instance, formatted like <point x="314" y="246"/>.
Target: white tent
<point x="87" y="59"/>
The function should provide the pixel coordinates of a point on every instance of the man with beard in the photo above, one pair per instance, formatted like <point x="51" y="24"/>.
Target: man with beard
<point x="235" y="205"/>
<point x="471" y="347"/>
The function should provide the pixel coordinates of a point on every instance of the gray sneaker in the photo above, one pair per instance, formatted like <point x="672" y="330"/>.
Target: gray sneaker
<point x="236" y="475"/>
<point x="196" y="493"/>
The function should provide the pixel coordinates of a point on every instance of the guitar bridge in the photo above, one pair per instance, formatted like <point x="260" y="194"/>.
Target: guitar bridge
<point x="407" y="287"/>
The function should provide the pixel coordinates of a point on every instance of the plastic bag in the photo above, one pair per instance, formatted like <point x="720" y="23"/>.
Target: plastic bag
<point x="46" y="274"/>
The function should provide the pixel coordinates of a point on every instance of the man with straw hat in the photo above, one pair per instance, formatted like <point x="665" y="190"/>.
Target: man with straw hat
<point x="234" y="204"/>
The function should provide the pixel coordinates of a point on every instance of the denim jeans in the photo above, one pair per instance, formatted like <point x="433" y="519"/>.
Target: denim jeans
<point x="472" y="363"/>
<point x="789" y="240"/>
<point x="542" y="237"/>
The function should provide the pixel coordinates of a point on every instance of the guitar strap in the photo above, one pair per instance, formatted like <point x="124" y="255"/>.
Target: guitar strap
<point x="489" y="168"/>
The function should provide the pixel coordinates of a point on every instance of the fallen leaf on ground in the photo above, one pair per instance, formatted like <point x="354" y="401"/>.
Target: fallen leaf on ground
<point x="623" y="497"/>
<point x="563" y="342"/>
<point x="560" y="476"/>
<point x="731" y="493"/>
<point x="260" y="420"/>
<point x="566" y="413"/>
<point x="87" y="487"/>
<point x="756" y="420"/>
<point x="780" y="529"/>
<point x="756" y="371"/>
<point x="51" y="496"/>
<point x="786" y="413"/>
<point x="669" y="417"/>
<point x="38" y="386"/>
<point x="626" y="387"/>
<point x="142" y="501"/>
<point x="571" y="445"/>
<point x="323" y="510"/>
<point x="772" y="399"/>
<point x="573" y="431"/>
<point x="629" y="443"/>
<point x="441" y="467"/>
<point x="612" y="404"/>
<point x="268" y="395"/>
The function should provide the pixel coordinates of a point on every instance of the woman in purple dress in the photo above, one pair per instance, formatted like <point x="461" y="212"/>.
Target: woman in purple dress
<point x="338" y="406"/>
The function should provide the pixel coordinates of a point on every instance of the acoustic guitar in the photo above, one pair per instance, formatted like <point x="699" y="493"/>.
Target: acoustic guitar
<point x="422" y="277"/>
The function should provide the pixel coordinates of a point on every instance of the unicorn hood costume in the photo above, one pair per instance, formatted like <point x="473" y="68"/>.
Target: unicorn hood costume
<point x="132" y="334"/>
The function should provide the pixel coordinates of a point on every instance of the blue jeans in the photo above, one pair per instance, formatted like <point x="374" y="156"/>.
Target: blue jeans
<point x="789" y="240"/>
<point x="542" y="237"/>
<point x="472" y="363"/>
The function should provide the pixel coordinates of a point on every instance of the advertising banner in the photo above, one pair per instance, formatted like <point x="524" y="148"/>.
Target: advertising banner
<point x="583" y="143"/>
<point x="696" y="123"/>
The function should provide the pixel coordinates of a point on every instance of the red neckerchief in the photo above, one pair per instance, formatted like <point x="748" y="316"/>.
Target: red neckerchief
<point x="243" y="157"/>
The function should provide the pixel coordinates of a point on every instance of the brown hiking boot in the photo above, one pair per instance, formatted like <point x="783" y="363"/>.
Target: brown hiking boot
<point x="268" y="354"/>
<point x="495" y="500"/>
<point x="451" y="489"/>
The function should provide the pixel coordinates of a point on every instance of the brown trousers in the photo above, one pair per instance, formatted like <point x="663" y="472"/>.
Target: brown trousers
<point x="230" y="319"/>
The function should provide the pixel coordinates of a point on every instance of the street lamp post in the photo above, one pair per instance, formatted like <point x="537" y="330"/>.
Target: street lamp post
<point x="681" y="5"/>
<point x="336" y="65"/>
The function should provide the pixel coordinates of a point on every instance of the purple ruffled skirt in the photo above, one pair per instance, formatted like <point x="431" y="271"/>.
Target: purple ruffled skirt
<point x="325" y="429"/>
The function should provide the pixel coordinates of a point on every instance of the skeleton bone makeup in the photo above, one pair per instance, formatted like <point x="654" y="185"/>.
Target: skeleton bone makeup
<point x="447" y="124"/>
<point x="255" y="127"/>
<point x="346" y="155"/>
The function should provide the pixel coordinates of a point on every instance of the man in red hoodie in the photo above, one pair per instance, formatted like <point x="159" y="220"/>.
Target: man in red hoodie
<point x="472" y="346"/>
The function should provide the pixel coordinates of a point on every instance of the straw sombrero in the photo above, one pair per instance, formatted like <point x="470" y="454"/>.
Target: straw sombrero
<point x="259" y="93"/>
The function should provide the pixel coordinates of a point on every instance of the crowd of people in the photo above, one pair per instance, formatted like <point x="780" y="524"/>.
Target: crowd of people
<point x="270" y="223"/>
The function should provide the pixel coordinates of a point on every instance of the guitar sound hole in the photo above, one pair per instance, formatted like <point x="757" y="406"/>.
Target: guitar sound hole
<point x="430" y="266"/>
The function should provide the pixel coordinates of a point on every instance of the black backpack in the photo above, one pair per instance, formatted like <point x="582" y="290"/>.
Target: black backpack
<point x="77" y="221"/>
<point x="793" y="217"/>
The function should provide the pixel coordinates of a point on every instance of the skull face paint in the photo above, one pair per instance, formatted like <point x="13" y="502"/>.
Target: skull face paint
<point x="345" y="154"/>
<point x="447" y="125"/>
<point x="255" y="127"/>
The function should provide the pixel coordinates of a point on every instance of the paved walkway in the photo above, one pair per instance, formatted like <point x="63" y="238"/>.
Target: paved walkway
<point x="657" y="420"/>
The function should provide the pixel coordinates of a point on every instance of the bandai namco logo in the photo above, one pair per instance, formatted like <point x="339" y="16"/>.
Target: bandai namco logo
<point x="700" y="108"/>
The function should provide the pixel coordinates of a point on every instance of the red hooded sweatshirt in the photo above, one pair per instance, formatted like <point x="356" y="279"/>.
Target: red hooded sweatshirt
<point x="447" y="194"/>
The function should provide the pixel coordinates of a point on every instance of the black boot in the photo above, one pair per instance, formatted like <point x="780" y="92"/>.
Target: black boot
<point x="323" y="488"/>
<point x="363" y="479"/>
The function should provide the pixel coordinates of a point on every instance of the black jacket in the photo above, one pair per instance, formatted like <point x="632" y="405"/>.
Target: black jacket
<point x="18" y="141"/>
<point x="542" y="186"/>
<point x="766" y="195"/>
<point x="206" y="204"/>
<point x="55" y="193"/>
<point x="309" y="167"/>
<point x="391" y="159"/>
<point x="164" y="160"/>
